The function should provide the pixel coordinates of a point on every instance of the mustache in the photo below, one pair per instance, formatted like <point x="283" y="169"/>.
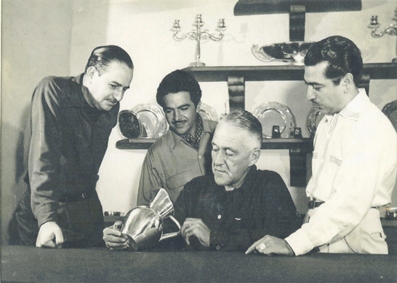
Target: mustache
<point x="112" y="100"/>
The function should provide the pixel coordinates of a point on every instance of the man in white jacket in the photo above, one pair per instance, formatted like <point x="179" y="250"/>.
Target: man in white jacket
<point x="354" y="160"/>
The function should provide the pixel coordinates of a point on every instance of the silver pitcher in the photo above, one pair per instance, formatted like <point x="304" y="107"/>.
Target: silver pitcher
<point x="144" y="225"/>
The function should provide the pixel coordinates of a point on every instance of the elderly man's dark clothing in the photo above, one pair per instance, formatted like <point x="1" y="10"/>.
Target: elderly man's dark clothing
<point x="261" y="206"/>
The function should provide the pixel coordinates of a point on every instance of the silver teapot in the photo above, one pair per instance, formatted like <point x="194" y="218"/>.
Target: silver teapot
<point x="144" y="224"/>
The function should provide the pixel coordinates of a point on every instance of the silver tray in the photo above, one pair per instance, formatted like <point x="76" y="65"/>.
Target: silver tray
<point x="292" y="52"/>
<point x="152" y="119"/>
<point x="275" y="114"/>
<point x="313" y="118"/>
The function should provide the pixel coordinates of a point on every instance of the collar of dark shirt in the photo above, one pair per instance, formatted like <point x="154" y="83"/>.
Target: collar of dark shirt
<point x="235" y="198"/>
<point x="79" y="98"/>
<point x="247" y="181"/>
<point x="229" y="188"/>
<point x="82" y="101"/>
<point x="233" y="201"/>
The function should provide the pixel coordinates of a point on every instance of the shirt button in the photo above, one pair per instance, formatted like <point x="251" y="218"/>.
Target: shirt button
<point x="218" y="248"/>
<point x="219" y="216"/>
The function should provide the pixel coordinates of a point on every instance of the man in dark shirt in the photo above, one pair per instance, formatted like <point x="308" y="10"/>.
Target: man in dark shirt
<point x="233" y="208"/>
<point x="65" y="141"/>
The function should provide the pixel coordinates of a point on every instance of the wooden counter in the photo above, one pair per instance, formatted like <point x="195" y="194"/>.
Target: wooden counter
<point x="29" y="264"/>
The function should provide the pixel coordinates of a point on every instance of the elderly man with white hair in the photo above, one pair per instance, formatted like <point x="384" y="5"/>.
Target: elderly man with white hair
<point x="238" y="204"/>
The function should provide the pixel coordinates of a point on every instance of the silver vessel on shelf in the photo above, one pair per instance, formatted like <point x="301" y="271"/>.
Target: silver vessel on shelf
<point x="292" y="52"/>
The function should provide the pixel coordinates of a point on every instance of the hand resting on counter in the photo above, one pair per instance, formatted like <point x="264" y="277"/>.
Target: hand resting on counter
<point x="270" y="245"/>
<point x="50" y="236"/>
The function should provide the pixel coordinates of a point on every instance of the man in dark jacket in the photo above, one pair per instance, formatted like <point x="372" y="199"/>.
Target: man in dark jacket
<point x="65" y="140"/>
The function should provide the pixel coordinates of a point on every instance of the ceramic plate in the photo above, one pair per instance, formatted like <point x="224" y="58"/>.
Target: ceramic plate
<point x="312" y="119"/>
<point x="390" y="111"/>
<point x="208" y="113"/>
<point x="152" y="119"/>
<point x="275" y="114"/>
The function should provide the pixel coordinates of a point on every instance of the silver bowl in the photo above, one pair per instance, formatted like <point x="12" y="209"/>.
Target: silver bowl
<point x="293" y="52"/>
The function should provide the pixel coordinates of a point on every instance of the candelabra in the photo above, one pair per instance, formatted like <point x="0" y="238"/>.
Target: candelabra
<point x="390" y="30"/>
<point x="198" y="34"/>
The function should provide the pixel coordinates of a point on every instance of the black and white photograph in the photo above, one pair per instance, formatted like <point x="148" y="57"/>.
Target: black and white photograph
<point x="198" y="141"/>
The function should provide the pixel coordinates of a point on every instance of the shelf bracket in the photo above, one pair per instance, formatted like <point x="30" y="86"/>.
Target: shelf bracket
<point x="298" y="167"/>
<point x="297" y="19"/>
<point x="236" y="86"/>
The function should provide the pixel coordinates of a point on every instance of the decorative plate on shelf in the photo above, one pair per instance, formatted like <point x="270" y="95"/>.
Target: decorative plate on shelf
<point x="390" y="110"/>
<point x="208" y="112"/>
<point x="152" y="120"/>
<point x="312" y="119"/>
<point x="129" y="125"/>
<point x="291" y="52"/>
<point x="275" y="114"/>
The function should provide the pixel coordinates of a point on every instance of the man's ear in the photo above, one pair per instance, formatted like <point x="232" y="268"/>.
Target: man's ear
<point x="91" y="71"/>
<point x="254" y="157"/>
<point x="347" y="81"/>
<point x="198" y="107"/>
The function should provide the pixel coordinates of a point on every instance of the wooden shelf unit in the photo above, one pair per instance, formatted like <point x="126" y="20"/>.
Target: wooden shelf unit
<point x="298" y="150"/>
<point x="296" y="9"/>
<point x="302" y="143"/>
<point x="279" y="72"/>
<point x="235" y="76"/>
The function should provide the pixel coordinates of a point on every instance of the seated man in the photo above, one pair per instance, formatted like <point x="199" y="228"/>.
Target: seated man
<point x="183" y="152"/>
<point x="239" y="203"/>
